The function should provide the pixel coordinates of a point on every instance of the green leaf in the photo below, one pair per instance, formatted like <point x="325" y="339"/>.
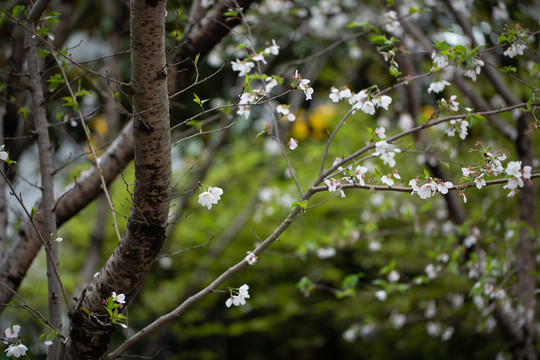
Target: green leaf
<point x="302" y="204"/>
<point x="378" y="40"/>
<point x="55" y="81"/>
<point x="17" y="10"/>
<point x="196" y="59"/>
<point x="23" y="110"/>
<point x="70" y="102"/>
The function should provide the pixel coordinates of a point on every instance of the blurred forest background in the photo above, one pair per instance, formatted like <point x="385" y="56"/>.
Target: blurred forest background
<point x="315" y="293"/>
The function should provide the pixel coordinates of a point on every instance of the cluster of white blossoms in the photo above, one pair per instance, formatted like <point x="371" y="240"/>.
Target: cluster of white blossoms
<point x="518" y="175"/>
<point x="386" y="152"/>
<point x="437" y="86"/>
<point x="439" y="61"/>
<point x="491" y="166"/>
<point x="238" y="296"/>
<point x="515" y="49"/>
<point x="429" y="187"/>
<point x="360" y="101"/>
<point x="245" y="66"/>
<point x="210" y="197"/>
<point x="450" y="104"/>
<point x="15" y="348"/>
<point x="474" y="69"/>
<point x="459" y="125"/>
<point x="302" y="84"/>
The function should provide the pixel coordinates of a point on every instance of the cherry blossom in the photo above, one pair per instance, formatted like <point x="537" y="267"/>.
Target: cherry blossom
<point x="437" y="86"/>
<point x="382" y="102"/>
<point x="272" y="49"/>
<point x="480" y="181"/>
<point x="475" y="69"/>
<point x="272" y="83"/>
<point x="16" y="350"/>
<point x="427" y="190"/>
<point x="244" y="67"/>
<point x="293" y="144"/>
<point x="380" y="133"/>
<point x="303" y="85"/>
<point x="368" y="108"/>
<point x="11" y="332"/>
<point x="387" y="180"/>
<point x="444" y="186"/>
<point x="359" y="173"/>
<point x="334" y="95"/>
<point x="439" y="61"/>
<point x="393" y="276"/>
<point x="515" y="49"/>
<point x="451" y="104"/>
<point x="120" y="298"/>
<point x="3" y="154"/>
<point x="380" y="295"/>
<point x="238" y="296"/>
<point x="251" y="258"/>
<point x="210" y="197"/>
<point x="326" y="253"/>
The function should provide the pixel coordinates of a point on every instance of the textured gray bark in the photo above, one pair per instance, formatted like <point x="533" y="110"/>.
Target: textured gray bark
<point x="143" y="239"/>
<point x="47" y="179"/>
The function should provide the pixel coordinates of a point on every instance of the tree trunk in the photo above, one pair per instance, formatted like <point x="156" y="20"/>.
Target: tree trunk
<point x="127" y="267"/>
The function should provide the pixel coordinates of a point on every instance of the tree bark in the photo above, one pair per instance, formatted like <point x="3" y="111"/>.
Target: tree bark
<point x="143" y="239"/>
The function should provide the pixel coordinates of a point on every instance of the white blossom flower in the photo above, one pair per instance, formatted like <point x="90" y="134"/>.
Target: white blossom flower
<point x="273" y="49"/>
<point x="359" y="173"/>
<point x="515" y="49"/>
<point x="3" y="154"/>
<point x="272" y="83"/>
<point x="467" y="171"/>
<point x="16" y="350"/>
<point x="437" y="86"/>
<point x="259" y="57"/>
<point x="433" y="328"/>
<point x="374" y="246"/>
<point x="240" y="298"/>
<point x="368" y="108"/>
<point x="120" y="298"/>
<point x="387" y="180"/>
<point x="282" y="109"/>
<point x="431" y="271"/>
<point x="243" y="291"/>
<point x="475" y="69"/>
<point x="439" y="61"/>
<point x="333" y="184"/>
<point x="397" y="320"/>
<point x="210" y="197"/>
<point x="334" y="95"/>
<point x="326" y="253"/>
<point x="345" y="93"/>
<point x="427" y="190"/>
<point x="444" y="186"/>
<point x="480" y="181"/>
<point x="380" y="132"/>
<point x="380" y="295"/>
<point x="469" y="241"/>
<point x="514" y="168"/>
<point x="244" y="67"/>
<point x="251" y="258"/>
<point x="12" y="332"/>
<point x="293" y="144"/>
<point x="393" y="276"/>
<point x="382" y="102"/>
